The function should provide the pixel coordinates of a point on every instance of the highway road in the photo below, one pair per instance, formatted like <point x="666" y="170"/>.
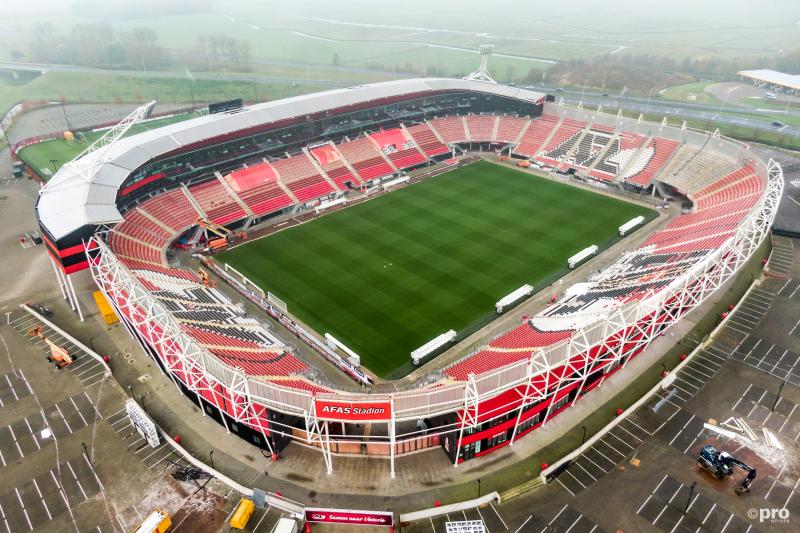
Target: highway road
<point x="610" y="102"/>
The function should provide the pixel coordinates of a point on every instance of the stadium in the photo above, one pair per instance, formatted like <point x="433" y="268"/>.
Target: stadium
<point x="365" y="274"/>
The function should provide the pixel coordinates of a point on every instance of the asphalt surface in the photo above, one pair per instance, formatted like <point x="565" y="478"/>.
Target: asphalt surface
<point x="588" y="98"/>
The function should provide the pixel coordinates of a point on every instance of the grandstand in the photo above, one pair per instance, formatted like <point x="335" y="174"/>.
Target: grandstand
<point x="244" y="168"/>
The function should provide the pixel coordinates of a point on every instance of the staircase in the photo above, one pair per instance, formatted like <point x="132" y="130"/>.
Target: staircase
<point x="284" y="188"/>
<point x="519" y="490"/>
<point x="599" y="157"/>
<point x="574" y="147"/>
<point x="232" y="193"/>
<point x="635" y="156"/>
<point x="320" y="170"/>
<point x="495" y="128"/>
<point x="549" y="137"/>
<point x="347" y="164"/>
<point x="414" y="142"/>
<point x="195" y="204"/>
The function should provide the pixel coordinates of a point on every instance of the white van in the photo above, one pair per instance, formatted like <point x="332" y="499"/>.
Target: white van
<point x="770" y="96"/>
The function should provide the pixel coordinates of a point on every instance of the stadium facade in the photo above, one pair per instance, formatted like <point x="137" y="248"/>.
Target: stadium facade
<point x="116" y="211"/>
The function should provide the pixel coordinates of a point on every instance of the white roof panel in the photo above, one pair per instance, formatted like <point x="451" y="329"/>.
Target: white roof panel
<point x="65" y="201"/>
<point x="773" y="77"/>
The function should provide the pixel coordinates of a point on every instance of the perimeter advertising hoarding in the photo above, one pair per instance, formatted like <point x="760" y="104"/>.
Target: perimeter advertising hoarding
<point x="344" y="411"/>
<point x="348" y="516"/>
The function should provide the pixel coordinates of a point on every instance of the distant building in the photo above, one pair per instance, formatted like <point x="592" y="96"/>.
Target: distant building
<point x="774" y="80"/>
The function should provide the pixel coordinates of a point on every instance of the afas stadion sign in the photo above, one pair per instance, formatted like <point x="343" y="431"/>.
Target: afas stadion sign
<point x="348" y="516"/>
<point x="353" y="411"/>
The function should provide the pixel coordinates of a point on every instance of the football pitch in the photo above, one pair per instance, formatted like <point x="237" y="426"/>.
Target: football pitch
<point x="386" y="276"/>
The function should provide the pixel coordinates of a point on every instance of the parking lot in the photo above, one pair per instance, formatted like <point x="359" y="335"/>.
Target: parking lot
<point x="88" y="369"/>
<point x="13" y="387"/>
<point x="29" y="505"/>
<point x="662" y="417"/>
<point x="159" y="458"/>
<point x="43" y="428"/>
<point x="673" y="506"/>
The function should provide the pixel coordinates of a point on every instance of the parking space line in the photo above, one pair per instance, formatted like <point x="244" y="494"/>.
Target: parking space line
<point x="575" y="462"/>
<point x="11" y="388"/>
<point x="91" y="467"/>
<point x="573" y="524"/>
<point x="750" y="386"/>
<point x="41" y="497"/>
<point x="64" y="419"/>
<point x="154" y="451"/>
<point x="500" y="517"/>
<point x="778" y="361"/>
<point x="8" y="528"/>
<point x="619" y="439"/>
<point x="13" y="436"/>
<point x="774" y="480"/>
<point x="87" y="370"/>
<point x="78" y="411"/>
<point x="691" y="444"/>
<point x="77" y="481"/>
<point x="169" y="452"/>
<point x="63" y="495"/>
<point x="565" y="487"/>
<point x="756" y="404"/>
<point x="628" y="432"/>
<point x="612" y="449"/>
<point x="123" y="419"/>
<point x="556" y="516"/>
<point x="266" y="512"/>
<point x="22" y="506"/>
<point x="691" y="369"/>
<point x="637" y="425"/>
<point x="573" y="477"/>
<point x="25" y="379"/>
<point x="681" y="430"/>
<point x="780" y="429"/>
<point x="33" y="435"/>
<point x="523" y="524"/>
<point x="726" y="524"/>
<point x="686" y="385"/>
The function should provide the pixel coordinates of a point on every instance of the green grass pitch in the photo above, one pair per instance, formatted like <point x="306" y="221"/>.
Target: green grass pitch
<point x="388" y="275"/>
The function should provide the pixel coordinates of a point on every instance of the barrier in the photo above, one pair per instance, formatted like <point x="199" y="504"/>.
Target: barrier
<point x="450" y="508"/>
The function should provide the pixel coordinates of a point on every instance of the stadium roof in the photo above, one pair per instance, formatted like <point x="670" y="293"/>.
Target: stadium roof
<point x="69" y="201"/>
<point x="773" y="77"/>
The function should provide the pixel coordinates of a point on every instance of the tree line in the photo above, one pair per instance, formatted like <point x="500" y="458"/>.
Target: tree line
<point x="99" y="44"/>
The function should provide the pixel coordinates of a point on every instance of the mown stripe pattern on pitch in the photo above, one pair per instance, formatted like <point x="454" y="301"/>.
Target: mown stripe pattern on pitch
<point x="388" y="275"/>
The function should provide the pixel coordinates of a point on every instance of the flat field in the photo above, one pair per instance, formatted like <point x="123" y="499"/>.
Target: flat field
<point x="388" y="275"/>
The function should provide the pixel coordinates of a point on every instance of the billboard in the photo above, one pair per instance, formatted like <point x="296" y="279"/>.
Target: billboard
<point x="348" y="516"/>
<point x="344" y="411"/>
<point x="223" y="107"/>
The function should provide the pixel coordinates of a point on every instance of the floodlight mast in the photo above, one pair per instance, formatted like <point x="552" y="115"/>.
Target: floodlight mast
<point x="102" y="144"/>
<point x="482" y="73"/>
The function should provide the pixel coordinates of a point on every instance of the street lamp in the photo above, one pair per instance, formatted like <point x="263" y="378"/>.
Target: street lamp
<point x="91" y="343"/>
<point x="583" y="437"/>
<point x="211" y="458"/>
<point x="479" y="487"/>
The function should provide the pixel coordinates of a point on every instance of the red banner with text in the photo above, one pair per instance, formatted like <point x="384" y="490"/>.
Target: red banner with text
<point x="343" y="411"/>
<point x="348" y="516"/>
